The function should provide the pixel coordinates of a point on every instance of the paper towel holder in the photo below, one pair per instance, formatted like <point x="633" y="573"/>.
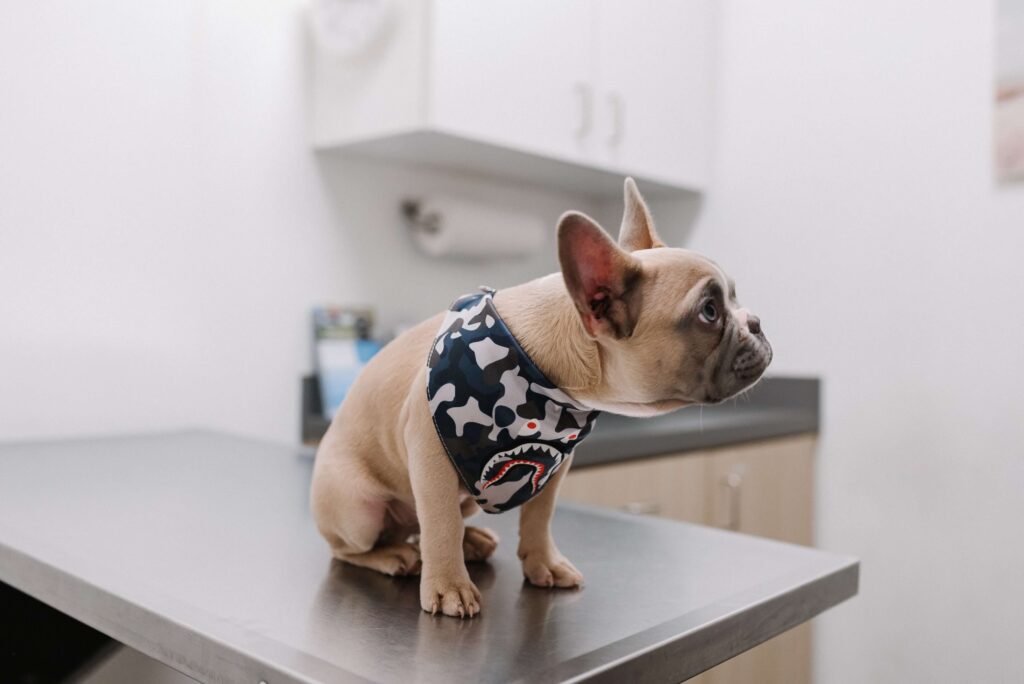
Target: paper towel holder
<point x="417" y="221"/>
<point x="452" y="227"/>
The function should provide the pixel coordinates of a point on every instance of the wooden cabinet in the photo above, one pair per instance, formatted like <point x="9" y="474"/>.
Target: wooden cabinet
<point x="670" y="487"/>
<point x="576" y="93"/>
<point x="764" y="488"/>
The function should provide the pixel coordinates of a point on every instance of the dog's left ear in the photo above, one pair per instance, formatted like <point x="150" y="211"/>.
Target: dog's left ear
<point x="602" y="279"/>
<point x="637" y="231"/>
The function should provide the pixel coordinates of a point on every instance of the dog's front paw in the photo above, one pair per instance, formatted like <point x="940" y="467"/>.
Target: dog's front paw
<point x="456" y="596"/>
<point x="549" y="568"/>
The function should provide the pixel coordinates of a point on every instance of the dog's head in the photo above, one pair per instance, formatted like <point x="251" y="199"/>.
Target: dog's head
<point x="670" y="329"/>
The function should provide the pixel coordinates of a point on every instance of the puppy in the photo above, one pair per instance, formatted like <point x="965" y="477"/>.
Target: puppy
<point x="481" y="406"/>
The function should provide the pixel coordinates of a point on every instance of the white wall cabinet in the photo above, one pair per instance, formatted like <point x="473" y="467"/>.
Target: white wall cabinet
<point x="575" y="93"/>
<point x="500" y="74"/>
<point x="654" y="87"/>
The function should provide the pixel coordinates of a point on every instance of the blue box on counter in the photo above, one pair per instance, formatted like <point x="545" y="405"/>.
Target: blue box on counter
<point x="343" y="348"/>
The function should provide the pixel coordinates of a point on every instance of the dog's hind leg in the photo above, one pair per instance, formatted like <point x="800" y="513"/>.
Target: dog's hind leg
<point x="400" y="558"/>
<point x="355" y="520"/>
<point x="479" y="544"/>
<point x="363" y="537"/>
<point x="392" y="554"/>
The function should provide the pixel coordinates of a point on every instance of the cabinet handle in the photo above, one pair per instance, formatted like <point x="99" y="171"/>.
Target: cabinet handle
<point x="586" y="97"/>
<point x="733" y="484"/>
<point x="618" y="107"/>
<point x="642" y="508"/>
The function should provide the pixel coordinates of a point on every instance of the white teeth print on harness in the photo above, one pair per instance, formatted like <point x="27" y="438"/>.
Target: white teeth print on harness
<point x="526" y="448"/>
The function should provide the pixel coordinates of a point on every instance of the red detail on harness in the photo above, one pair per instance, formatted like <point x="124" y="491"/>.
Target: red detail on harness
<point x="532" y="425"/>
<point x="534" y="481"/>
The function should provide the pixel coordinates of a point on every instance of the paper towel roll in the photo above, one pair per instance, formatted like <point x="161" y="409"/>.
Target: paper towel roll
<point x="447" y="226"/>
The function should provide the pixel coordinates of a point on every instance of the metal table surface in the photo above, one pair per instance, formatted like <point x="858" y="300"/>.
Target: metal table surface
<point x="198" y="549"/>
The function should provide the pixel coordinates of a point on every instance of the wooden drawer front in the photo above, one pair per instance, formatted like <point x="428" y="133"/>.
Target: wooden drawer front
<point x="764" y="488"/>
<point x="670" y="487"/>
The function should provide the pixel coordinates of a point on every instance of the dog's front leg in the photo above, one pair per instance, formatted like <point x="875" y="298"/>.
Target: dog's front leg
<point x="444" y="582"/>
<point x="543" y="563"/>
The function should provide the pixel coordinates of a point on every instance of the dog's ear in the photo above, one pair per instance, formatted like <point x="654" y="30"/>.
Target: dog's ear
<point x="601" y="278"/>
<point x="637" y="231"/>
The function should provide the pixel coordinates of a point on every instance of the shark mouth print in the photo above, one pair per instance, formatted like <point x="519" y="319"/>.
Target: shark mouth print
<point x="502" y="464"/>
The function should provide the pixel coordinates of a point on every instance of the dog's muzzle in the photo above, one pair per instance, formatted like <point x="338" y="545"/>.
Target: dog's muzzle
<point x="748" y="363"/>
<point x="752" y="360"/>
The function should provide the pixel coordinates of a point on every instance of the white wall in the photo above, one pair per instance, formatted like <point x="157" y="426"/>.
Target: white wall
<point x="854" y="204"/>
<point x="165" y="230"/>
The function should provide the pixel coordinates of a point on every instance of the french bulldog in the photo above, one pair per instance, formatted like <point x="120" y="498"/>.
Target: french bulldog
<point x="635" y="328"/>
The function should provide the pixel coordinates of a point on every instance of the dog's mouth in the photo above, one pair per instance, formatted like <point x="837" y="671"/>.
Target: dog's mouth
<point x="752" y="361"/>
<point x="746" y="368"/>
<point x="541" y="458"/>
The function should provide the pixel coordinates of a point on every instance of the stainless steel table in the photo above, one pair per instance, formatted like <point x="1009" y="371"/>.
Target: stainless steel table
<point x="198" y="549"/>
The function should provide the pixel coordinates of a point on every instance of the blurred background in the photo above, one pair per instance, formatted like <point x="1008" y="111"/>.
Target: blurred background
<point x="182" y="184"/>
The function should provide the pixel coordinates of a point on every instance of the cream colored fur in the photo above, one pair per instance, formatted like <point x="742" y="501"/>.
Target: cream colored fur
<point x="617" y="330"/>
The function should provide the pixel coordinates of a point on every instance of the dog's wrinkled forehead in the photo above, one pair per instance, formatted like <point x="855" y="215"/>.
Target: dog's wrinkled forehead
<point x="686" y="276"/>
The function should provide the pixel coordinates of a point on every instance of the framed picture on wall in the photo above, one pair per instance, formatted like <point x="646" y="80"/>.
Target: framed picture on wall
<point x="1009" y="105"/>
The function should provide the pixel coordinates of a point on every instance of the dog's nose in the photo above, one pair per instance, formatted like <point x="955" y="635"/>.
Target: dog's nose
<point x="754" y="324"/>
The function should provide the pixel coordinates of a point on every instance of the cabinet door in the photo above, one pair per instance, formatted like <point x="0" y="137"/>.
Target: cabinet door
<point x="654" y="82"/>
<point x="671" y="487"/>
<point x="765" y="489"/>
<point x="514" y="72"/>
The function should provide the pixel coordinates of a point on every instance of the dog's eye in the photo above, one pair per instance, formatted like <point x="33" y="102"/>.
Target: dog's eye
<point x="709" y="311"/>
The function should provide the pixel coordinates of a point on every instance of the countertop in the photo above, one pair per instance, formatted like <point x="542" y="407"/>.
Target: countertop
<point x="775" y="407"/>
<point x="198" y="549"/>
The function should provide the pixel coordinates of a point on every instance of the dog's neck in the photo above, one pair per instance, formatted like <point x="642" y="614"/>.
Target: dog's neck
<point x="541" y="311"/>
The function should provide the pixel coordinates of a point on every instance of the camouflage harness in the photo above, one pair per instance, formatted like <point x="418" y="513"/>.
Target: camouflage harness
<point x="506" y="427"/>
